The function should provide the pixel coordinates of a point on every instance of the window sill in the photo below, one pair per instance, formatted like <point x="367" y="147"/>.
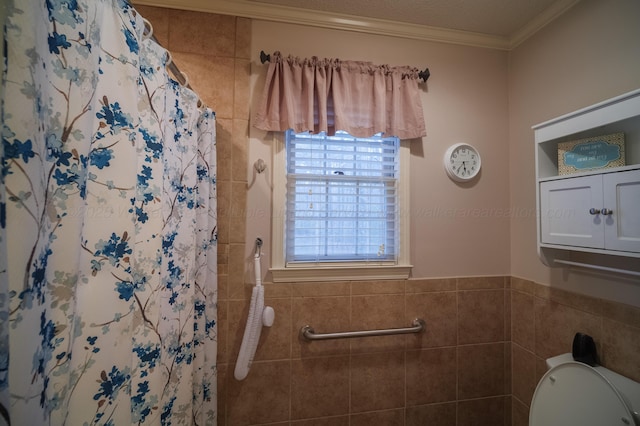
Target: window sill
<point x="342" y="273"/>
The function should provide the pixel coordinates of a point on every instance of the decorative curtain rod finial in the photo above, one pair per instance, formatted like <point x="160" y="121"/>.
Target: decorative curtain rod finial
<point x="424" y="75"/>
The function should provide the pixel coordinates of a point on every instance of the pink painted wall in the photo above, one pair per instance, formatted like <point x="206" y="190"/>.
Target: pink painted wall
<point x="589" y="54"/>
<point x="490" y="99"/>
<point x="456" y="230"/>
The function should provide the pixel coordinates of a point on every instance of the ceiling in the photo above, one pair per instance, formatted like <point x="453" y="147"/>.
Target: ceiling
<point x="501" y="24"/>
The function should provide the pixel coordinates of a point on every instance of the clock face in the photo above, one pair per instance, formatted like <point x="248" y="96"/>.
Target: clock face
<point x="462" y="162"/>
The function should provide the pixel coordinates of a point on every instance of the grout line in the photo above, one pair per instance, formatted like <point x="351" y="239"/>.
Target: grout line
<point x="350" y="350"/>
<point x="290" y="390"/>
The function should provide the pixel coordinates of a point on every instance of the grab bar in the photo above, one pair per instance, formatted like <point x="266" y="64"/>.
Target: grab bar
<point x="597" y="267"/>
<point x="307" y="332"/>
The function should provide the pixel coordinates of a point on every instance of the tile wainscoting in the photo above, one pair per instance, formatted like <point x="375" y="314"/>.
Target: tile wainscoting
<point x="544" y="321"/>
<point x="454" y="373"/>
<point x="477" y="363"/>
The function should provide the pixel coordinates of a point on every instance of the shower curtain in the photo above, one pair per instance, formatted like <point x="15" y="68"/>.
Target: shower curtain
<point x="108" y="284"/>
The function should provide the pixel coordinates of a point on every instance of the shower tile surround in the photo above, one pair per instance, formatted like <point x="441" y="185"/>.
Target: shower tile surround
<point x="486" y="340"/>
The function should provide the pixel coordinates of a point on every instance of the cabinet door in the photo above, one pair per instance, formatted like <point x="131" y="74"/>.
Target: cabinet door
<point x="564" y="212"/>
<point x="622" y="196"/>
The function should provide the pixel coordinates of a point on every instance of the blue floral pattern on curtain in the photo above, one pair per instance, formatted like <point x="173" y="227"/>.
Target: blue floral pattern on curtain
<point x="108" y="280"/>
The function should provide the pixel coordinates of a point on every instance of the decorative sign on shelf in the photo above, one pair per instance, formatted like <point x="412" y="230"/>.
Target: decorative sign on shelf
<point x="592" y="153"/>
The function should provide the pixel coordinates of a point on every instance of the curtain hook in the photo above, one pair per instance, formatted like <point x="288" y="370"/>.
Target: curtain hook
<point x="260" y="165"/>
<point x="148" y="29"/>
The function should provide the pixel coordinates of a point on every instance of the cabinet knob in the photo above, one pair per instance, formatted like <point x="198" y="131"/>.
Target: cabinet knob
<point x="607" y="212"/>
<point x="594" y="211"/>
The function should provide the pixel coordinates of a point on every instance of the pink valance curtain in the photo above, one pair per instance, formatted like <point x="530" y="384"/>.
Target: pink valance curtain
<point x="330" y="94"/>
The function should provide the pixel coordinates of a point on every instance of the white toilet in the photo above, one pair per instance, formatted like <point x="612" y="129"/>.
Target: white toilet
<point x="574" y="394"/>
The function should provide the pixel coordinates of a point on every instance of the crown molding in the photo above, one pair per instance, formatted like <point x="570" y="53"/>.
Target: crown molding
<point x="315" y="18"/>
<point x="540" y="21"/>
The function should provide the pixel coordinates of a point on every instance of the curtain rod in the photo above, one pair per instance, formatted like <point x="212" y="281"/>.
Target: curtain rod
<point x="179" y="75"/>
<point x="182" y="78"/>
<point x="424" y="75"/>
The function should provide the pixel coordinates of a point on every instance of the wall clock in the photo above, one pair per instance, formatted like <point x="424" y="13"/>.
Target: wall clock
<point x="462" y="162"/>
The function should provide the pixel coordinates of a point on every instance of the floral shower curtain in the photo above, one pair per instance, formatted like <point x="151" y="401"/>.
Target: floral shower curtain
<point x="108" y="284"/>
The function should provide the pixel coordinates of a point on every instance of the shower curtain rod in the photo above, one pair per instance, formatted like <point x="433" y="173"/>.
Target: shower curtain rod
<point x="174" y="69"/>
<point x="424" y="75"/>
<point x="179" y="75"/>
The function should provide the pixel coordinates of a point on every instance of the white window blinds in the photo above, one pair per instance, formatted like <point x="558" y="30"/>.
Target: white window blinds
<point x="341" y="198"/>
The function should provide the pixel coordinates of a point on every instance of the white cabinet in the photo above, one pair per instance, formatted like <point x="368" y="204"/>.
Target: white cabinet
<point x="565" y="217"/>
<point x="623" y="224"/>
<point x="594" y="212"/>
<point x="598" y="211"/>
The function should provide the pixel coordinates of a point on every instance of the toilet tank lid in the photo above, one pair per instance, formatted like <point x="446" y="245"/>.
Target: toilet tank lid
<point x="557" y="360"/>
<point x="628" y="388"/>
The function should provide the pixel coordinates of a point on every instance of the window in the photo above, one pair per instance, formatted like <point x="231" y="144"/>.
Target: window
<point x="343" y="208"/>
<point x="341" y="198"/>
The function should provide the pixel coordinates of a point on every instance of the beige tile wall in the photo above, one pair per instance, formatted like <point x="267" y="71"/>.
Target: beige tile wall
<point x="456" y="373"/>
<point x="544" y="322"/>
<point x="486" y="339"/>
